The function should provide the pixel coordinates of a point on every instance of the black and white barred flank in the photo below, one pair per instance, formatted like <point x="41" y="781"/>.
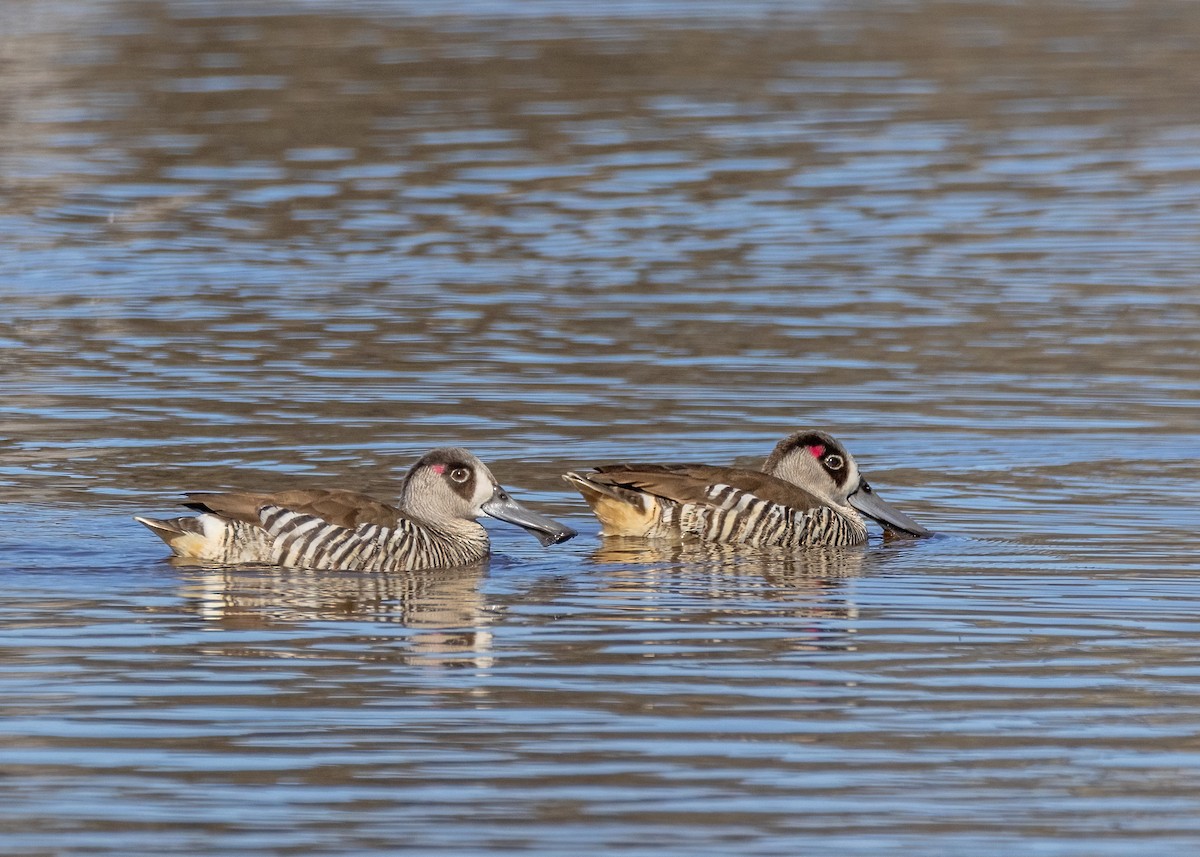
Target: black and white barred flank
<point x="734" y="516"/>
<point x="299" y="540"/>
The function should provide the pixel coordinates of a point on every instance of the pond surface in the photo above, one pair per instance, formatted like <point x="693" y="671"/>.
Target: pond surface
<point x="303" y="245"/>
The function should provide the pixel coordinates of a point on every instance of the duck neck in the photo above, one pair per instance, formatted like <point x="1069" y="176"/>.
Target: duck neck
<point x="448" y="543"/>
<point x="855" y="524"/>
<point x="469" y="535"/>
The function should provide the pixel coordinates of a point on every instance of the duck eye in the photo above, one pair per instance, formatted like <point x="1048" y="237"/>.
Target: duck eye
<point x="460" y="474"/>
<point x="834" y="462"/>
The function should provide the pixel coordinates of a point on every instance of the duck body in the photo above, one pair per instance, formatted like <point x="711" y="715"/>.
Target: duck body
<point x="320" y="529"/>
<point x="712" y="504"/>
<point x="809" y="493"/>
<point x="433" y="526"/>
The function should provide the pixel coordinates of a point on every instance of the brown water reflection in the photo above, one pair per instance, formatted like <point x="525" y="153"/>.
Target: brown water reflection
<point x="444" y="609"/>
<point x="299" y="244"/>
<point x="732" y="562"/>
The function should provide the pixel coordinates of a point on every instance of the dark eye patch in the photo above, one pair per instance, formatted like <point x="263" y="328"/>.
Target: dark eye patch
<point x="460" y="476"/>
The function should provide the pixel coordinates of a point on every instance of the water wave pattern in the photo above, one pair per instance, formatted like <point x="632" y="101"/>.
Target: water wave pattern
<point x="304" y="243"/>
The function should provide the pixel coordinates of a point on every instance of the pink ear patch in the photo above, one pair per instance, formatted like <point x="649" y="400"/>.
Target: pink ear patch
<point x="439" y="469"/>
<point x="817" y="450"/>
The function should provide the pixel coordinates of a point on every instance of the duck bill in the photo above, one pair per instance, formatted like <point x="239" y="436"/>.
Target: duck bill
<point x="871" y="505"/>
<point x="502" y="507"/>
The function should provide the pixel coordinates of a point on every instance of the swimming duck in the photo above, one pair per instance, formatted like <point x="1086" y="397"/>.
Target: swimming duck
<point x="809" y="492"/>
<point x="433" y="526"/>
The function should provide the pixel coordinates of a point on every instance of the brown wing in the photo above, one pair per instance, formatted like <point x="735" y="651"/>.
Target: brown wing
<point x="691" y="483"/>
<point x="342" y="508"/>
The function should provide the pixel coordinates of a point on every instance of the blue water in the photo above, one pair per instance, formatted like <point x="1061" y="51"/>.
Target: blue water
<point x="302" y="244"/>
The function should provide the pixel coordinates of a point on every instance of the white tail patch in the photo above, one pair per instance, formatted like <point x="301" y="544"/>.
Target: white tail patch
<point x="202" y="537"/>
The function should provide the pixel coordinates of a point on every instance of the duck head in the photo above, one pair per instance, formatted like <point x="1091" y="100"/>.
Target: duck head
<point x="450" y="484"/>
<point x="818" y="463"/>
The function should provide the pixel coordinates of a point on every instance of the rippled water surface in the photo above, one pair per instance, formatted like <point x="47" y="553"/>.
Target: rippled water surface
<point x="276" y="244"/>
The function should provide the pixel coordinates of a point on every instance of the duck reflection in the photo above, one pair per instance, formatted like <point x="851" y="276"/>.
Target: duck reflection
<point x="751" y="586"/>
<point x="779" y="566"/>
<point x="443" y="609"/>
